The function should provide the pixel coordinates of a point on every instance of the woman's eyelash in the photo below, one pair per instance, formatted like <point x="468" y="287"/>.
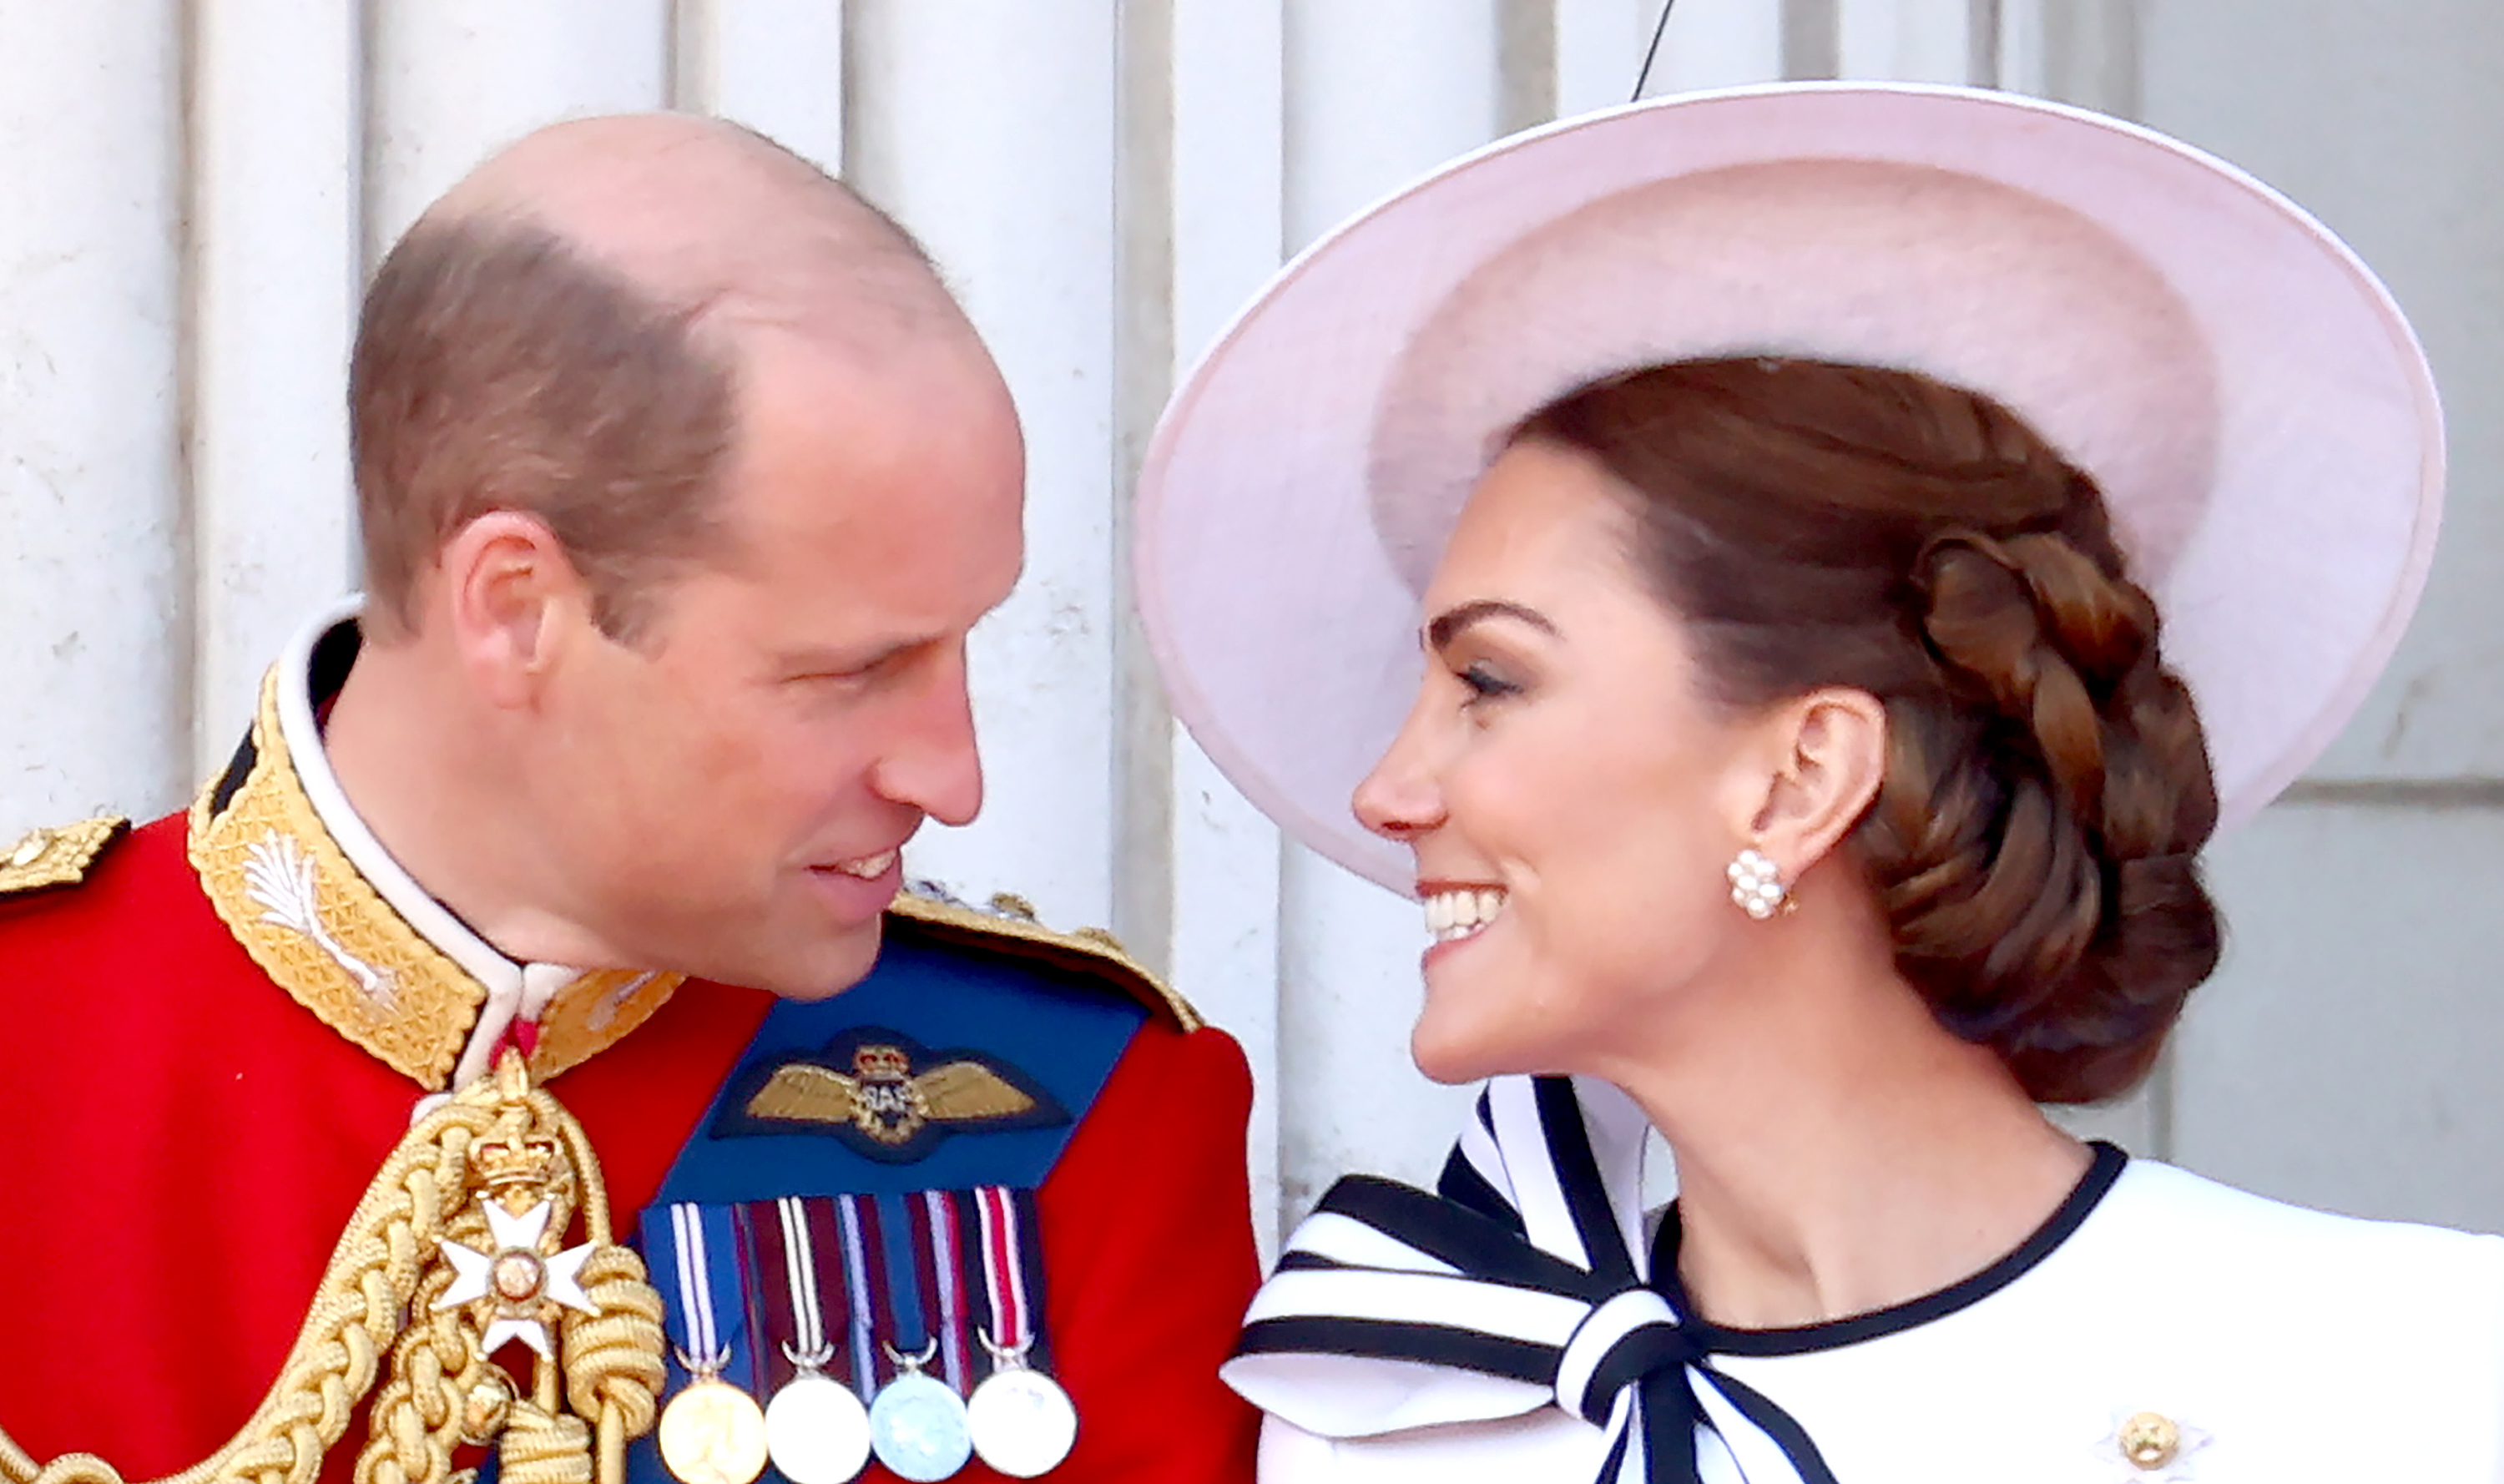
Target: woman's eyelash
<point x="1486" y="684"/>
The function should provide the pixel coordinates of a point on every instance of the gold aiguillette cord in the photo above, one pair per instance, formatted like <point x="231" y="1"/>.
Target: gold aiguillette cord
<point x="395" y="1287"/>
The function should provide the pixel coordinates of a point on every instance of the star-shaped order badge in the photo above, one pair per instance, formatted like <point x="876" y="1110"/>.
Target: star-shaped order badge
<point x="2149" y="1448"/>
<point x="525" y="1284"/>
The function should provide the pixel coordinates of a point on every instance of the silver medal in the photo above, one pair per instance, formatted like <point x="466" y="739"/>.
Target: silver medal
<point x="1023" y="1423"/>
<point x="917" y="1425"/>
<point x="816" y="1431"/>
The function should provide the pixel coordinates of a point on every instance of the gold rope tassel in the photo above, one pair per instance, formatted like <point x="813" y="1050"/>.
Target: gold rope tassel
<point x="498" y="1140"/>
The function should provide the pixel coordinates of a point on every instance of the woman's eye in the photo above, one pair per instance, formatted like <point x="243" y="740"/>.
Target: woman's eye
<point x="1486" y="684"/>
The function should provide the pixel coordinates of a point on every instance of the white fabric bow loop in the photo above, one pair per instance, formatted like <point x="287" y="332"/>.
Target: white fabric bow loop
<point x="1520" y="1285"/>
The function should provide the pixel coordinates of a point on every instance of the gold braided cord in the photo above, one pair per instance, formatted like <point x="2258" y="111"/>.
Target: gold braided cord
<point x="441" y="1391"/>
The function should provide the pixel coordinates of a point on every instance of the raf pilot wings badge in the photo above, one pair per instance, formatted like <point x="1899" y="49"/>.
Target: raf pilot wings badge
<point x="886" y="1096"/>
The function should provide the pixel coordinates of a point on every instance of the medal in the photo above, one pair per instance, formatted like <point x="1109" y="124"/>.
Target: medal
<point x="1021" y="1423"/>
<point x="711" y="1432"/>
<point x="917" y="1426"/>
<point x="816" y="1429"/>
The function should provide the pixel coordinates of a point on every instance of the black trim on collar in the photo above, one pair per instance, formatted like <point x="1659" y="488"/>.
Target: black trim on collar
<point x="2102" y="1169"/>
<point x="231" y="782"/>
<point x="334" y="654"/>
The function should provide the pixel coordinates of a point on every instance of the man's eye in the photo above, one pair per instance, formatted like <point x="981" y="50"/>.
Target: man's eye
<point x="869" y="670"/>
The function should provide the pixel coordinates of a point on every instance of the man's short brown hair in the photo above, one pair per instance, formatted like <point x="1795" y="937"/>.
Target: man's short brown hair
<point x="495" y="368"/>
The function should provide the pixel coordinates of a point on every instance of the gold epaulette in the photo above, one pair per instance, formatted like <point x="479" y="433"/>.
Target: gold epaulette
<point x="57" y="857"/>
<point x="1011" y="927"/>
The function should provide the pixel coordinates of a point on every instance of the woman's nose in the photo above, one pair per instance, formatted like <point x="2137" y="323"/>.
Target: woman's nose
<point x="1399" y="800"/>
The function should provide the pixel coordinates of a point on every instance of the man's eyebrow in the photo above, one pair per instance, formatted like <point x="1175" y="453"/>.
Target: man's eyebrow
<point x="1449" y="623"/>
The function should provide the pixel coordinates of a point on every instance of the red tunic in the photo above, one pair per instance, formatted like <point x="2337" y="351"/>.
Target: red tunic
<point x="181" y="1144"/>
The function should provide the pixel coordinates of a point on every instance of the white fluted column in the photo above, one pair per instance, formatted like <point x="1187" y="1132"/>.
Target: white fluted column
<point x="1229" y="230"/>
<point x="1916" y="41"/>
<point x="988" y="128"/>
<point x="773" y="65"/>
<point x="1376" y="94"/>
<point x="454" y="81"/>
<point x="1707" y="43"/>
<point x="276" y="147"/>
<point x="95" y="587"/>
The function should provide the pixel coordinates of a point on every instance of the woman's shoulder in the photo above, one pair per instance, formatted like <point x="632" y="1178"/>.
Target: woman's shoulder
<point x="2261" y="1283"/>
<point x="2171" y="1218"/>
<point x="2250" y="1324"/>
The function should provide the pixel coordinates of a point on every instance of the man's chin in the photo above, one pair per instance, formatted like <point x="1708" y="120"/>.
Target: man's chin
<point x="817" y="970"/>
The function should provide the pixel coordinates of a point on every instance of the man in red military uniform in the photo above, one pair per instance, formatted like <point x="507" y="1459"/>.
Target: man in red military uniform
<point x="682" y="481"/>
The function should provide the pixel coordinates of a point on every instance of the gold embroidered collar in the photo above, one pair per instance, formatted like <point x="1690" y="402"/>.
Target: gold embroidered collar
<point x="318" y="904"/>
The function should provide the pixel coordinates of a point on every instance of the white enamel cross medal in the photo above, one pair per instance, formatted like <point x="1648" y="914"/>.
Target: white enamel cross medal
<point x="526" y="1286"/>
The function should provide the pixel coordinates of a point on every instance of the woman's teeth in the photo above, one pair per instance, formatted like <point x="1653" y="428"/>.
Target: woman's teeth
<point x="1451" y="916"/>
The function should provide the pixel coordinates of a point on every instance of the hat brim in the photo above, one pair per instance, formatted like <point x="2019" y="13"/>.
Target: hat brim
<point x="2249" y="398"/>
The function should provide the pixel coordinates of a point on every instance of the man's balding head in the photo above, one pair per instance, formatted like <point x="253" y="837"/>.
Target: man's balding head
<point x="562" y="334"/>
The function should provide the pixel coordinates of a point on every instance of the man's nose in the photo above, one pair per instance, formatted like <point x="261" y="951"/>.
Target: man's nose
<point x="932" y="764"/>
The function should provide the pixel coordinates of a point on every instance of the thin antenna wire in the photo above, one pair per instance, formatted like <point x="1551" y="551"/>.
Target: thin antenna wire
<point x="1653" y="51"/>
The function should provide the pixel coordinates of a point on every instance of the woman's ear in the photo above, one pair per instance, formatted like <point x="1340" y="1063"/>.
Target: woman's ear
<point x="1828" y="754"/>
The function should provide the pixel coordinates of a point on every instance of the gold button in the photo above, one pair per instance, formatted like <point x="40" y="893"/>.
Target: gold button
<point x="487" y="1407"/>
<point x="31" y="848"/>
<point x="2150" y="1440"/>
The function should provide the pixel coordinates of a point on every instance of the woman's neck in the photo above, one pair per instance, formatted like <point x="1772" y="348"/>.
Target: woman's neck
<point x="1838" y="1152"/>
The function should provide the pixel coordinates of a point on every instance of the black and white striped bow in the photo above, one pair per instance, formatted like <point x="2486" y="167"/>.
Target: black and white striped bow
<point x="1519" y="1284"/>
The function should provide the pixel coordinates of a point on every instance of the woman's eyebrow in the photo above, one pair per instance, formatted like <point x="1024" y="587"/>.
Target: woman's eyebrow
<point x="1449" y="623"/>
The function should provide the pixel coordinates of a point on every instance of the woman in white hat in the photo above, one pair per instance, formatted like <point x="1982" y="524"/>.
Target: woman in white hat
<point x="1722" y="546"/>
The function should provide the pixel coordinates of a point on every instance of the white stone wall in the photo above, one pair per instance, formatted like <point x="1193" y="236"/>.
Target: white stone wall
<point x="191" y="194"/>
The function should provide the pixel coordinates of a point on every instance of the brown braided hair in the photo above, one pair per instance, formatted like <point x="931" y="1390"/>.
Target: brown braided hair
<point x="2047" y="789"/>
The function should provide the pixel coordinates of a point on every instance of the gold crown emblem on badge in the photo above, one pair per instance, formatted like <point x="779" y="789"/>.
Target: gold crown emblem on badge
<point x="882" y="1063"/>
<point x="509" y="1158"/>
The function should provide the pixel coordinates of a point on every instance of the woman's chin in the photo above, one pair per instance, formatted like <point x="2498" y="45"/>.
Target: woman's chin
<point x="1457" y="1055"/>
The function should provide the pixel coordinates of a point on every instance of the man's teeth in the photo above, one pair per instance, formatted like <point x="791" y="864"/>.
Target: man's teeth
<point x="1451" y="916"/>
<point x="868" y="867"/>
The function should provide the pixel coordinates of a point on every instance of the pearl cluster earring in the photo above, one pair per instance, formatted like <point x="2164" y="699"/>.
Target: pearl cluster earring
<point x="1756" y="885"/>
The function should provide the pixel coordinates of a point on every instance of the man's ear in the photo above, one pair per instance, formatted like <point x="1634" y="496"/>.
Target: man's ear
<point x="1828" y="751"/>
<point x="507" y="589"/>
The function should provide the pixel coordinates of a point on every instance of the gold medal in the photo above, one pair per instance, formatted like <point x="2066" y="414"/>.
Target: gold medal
<point x="712" y="1432"/>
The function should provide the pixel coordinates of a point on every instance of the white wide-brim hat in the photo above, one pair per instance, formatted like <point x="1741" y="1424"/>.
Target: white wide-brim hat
<point x="2251" y="399"/>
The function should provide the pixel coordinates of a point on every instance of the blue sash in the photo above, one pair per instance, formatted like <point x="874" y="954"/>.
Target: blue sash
<point x="948" y="1068"/>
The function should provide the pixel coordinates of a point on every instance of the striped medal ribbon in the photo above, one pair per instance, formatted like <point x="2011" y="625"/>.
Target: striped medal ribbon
<point x="816" y="1431"/>
<point x="916" y="1421"/>
<point x="712" y="1432"/>
<point x="1023" y="1423"/>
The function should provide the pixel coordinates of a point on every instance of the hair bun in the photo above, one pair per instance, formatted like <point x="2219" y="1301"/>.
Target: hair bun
<point x="2047" y="786"/>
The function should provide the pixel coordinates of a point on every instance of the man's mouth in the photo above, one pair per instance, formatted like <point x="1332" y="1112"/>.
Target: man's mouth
<point x="1456" y="912"/>
<point x="868" y="867"/>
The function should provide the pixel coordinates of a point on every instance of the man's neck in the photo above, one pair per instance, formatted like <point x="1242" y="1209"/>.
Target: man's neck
<point x="420" y="774"/>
